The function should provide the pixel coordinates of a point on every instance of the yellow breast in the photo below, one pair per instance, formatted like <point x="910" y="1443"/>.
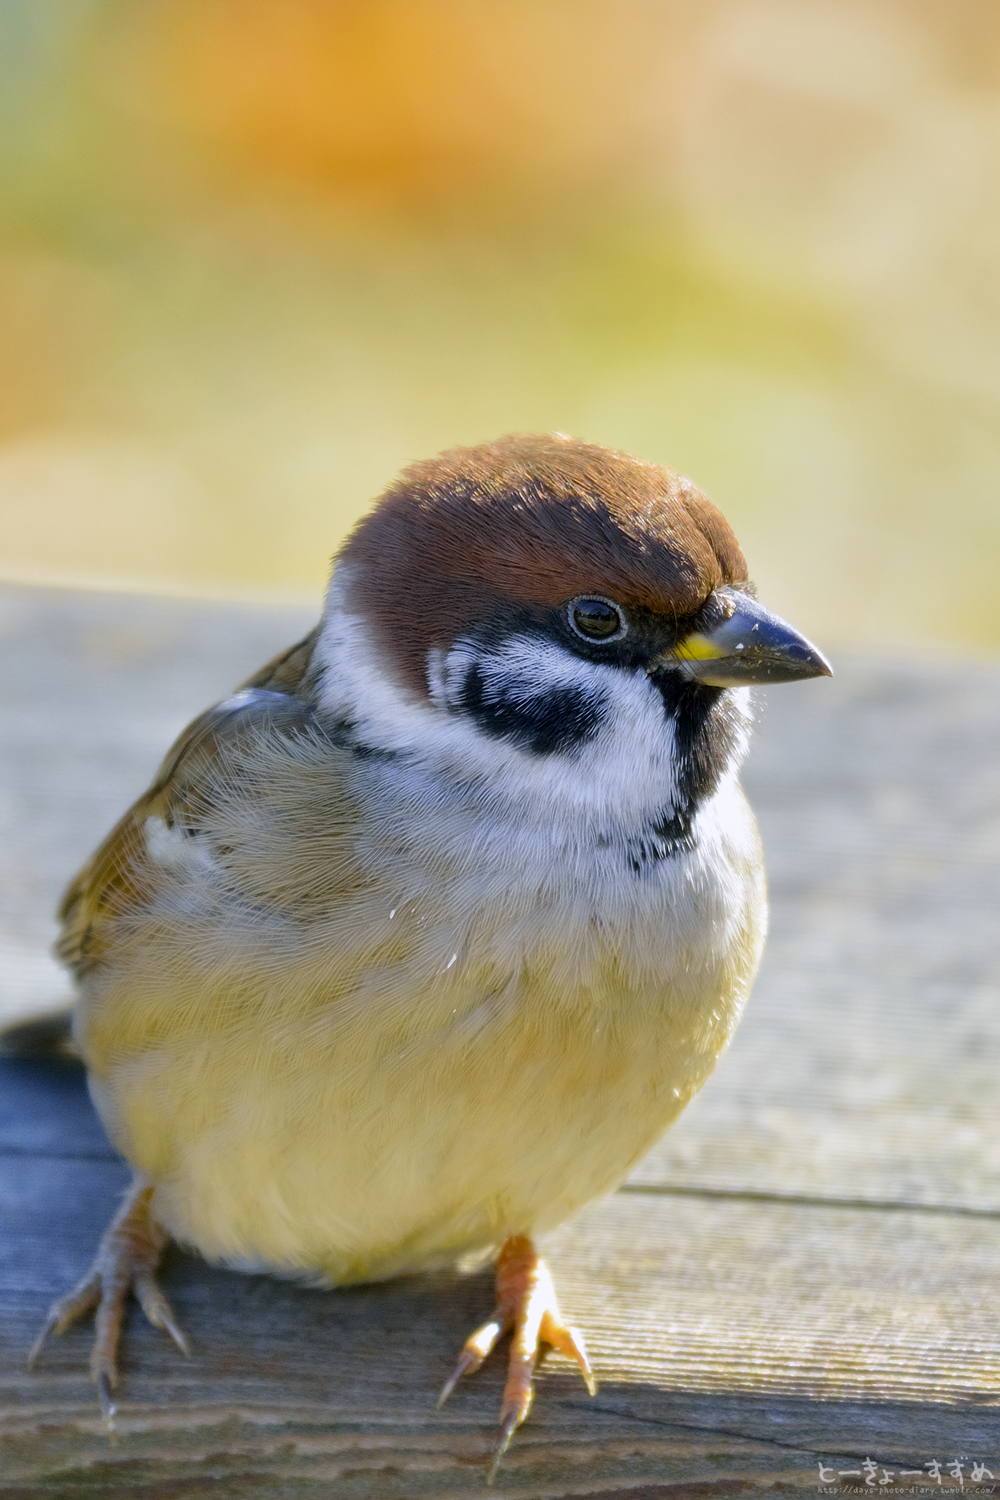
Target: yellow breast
<point x="428" y="1043"/>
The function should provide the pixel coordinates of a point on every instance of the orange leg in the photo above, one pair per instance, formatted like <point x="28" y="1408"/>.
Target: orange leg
<point x="126" y="1261"/>
<point x="526" y="1303"/>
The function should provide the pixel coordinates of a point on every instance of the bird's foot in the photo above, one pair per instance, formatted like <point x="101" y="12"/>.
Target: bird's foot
<point x="125" y="1262"/>
<point x="526" y="1303"/>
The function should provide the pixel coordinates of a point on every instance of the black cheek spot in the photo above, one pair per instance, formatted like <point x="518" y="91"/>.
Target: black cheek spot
<point x="544" y="724"/>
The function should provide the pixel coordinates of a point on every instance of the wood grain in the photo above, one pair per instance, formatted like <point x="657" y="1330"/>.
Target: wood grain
<point x="735" y="1342"/>
<point x="867" y="1063"/>
<point x="805" y="1269"/>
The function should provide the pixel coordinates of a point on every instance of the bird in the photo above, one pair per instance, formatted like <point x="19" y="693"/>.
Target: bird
<point x="421" y="939"/>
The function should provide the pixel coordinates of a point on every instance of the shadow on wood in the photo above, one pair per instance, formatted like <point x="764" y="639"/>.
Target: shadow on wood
<point x="804" y="1270"/>
<point x="290" y="1389"/>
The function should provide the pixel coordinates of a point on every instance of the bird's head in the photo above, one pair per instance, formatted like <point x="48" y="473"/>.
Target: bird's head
<point x="564" y="603"/>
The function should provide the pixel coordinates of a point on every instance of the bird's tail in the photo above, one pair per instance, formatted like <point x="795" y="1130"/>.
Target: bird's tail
<point x="41" y="1036"/>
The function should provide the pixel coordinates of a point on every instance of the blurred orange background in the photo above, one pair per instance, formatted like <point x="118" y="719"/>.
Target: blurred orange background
<point x="256" y="254"/>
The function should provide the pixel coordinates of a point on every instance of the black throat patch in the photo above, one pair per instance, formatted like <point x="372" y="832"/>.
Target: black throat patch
<point x="707" y="728"/>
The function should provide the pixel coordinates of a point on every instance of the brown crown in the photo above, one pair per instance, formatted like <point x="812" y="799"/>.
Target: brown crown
<point x="533" y="521"/>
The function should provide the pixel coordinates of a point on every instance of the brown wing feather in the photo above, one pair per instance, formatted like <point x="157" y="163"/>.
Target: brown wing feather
<point x="116" y="875"/>
<point x="288" y="672"/>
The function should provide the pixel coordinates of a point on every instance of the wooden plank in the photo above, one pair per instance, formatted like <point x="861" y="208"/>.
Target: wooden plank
<point x="734" y="1341"/>
<point x="744" y="1326"/>
<point x="866" y="1065"/>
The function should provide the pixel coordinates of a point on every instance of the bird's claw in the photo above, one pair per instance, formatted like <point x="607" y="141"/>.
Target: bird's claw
<point x="125" y="1262"/>
<point x="526" y="1302"/>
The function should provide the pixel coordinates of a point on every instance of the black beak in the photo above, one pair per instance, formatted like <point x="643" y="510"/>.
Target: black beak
<point x="752" y="645"/>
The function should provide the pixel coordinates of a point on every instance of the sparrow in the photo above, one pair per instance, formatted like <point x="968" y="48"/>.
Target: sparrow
<point x="423" y="937"/>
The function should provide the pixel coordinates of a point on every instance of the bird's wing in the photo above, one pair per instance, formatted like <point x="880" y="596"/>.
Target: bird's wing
<point x="115" y="877"/>
<point x="289" y="671"/>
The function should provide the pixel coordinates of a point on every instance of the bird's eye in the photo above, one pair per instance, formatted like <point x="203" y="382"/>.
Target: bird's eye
<point x="596" y="619"/>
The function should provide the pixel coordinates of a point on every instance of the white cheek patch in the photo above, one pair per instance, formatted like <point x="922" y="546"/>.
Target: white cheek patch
<point x="524" y="667"/>
<point x="174" y="848"/>
<point x="529" y="691"/>
<point x="624" y="773"/>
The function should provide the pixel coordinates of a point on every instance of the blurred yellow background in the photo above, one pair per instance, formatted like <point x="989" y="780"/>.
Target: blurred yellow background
<point x="257" y="254"/>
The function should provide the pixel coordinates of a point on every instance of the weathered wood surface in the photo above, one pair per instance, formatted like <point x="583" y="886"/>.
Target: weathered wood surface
<point x="805" y="1270"/>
